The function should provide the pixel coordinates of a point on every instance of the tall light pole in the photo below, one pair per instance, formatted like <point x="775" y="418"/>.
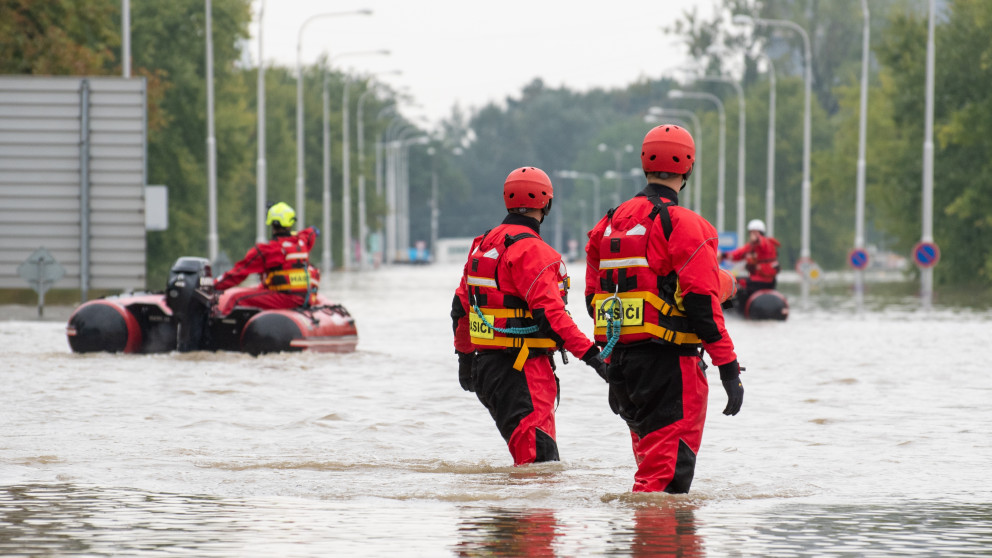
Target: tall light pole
<point x="770" y="188"/>
<point x="260" y="166"/>
<point x="618" y="159"/>
<point x="926" y="274"/>
<point x="741" y="146"/>
<point x="722" y="150"/>
<point x="575" y="175"/>
<point x="363" y="229"/>
<point x="126" y="38"/>
<point x="346" y="166"/>
<point x="859" y="206"/>
<point x="300" y="191"/>
<point x="804" y="253"/>
<point x="697" y="136"/>
<point x="212" y="237"/>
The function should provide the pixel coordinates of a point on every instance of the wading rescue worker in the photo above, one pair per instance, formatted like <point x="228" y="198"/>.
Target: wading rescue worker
<point x="760" y="256"/>
<point x="652" y="276"/>
<point x="287" y="278"/>
<point x="518" y="284"/>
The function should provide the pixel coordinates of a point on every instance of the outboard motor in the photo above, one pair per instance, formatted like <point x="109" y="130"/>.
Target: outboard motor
<point x="188" y="294"/>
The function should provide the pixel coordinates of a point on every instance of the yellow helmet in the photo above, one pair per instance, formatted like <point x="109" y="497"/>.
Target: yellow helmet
<point x="281" y="215"/>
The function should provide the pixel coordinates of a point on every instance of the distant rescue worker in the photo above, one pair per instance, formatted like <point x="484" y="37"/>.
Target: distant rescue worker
<point x="760" y="256"/>
<point x="283" y="263"/>
<point x="653" y="287"/>
<point x="509" y="317"/>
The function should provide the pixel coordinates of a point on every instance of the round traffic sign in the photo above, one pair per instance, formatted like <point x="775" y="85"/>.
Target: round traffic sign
<point x="858" y="258"/>
<point x="926" y="254"/>
<point x="803" y="264"/>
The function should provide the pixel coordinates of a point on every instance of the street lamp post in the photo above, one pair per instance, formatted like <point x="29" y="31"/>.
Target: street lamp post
<point x="926" y="274"/>
<point x="770" y="188"/>
<point x="574" y="175"/>
<point x="859" y="210"/>
<point x="697" y="135"/>
<point x="722" y="150"/>
<point x="260" y="169"/>
<point x="300" y="197"/>
<point x="804" y="252"/>
<point x="363" y="230"/>
<point x="618" y="159"/>
<point x="212" y="237"/>
<point x="741" y="146"/>
<point x="346" y="259"/>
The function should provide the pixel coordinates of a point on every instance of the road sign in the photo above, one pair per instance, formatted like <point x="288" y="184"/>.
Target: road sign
<point x="926" y="254"/>
<point x="40" y="270"/>
<point x="858" y="258"/>
<point x="727" y="241"/>
<point x="803" y="265"/>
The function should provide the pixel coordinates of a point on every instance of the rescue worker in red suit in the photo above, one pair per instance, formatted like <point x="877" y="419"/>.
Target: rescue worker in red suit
<point x="652" y="274"/>
<point x="509" y="317"/>
<point x="760" y="256"/>
<point x="287" y="278"/>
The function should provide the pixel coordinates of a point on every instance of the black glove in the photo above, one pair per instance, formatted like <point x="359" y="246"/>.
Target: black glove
<point x="592" y="358"/>
<point x="465" y="377"/>
<point x="730" y="375"/>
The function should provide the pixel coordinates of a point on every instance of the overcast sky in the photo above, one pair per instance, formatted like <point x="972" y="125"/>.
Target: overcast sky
<point x="469" y="53"/>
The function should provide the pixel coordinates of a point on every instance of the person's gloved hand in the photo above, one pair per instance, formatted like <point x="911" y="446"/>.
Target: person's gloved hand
<point x="592" y="358"/>
<point x="730" y="375"/>
<point x="465" y="377"/>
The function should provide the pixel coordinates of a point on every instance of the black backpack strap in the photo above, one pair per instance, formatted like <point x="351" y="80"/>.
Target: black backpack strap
<point x="509" y="240"/>
<point x="661" y="210"/>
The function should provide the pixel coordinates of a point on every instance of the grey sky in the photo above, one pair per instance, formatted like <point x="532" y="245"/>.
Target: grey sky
<point x="469" y="53"/>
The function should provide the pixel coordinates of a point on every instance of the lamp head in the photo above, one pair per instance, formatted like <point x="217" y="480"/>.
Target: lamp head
<point x="676" y="94"/>
<point x="742" y="19"/>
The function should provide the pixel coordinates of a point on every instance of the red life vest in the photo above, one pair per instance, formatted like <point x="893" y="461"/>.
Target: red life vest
<point x="293" y="275"/>
<point x="500" y="310"/>
<point x="645" y="301"/>
<point x="762" y="259"/>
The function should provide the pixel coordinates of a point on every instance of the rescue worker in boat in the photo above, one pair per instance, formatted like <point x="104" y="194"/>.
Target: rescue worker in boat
<point x="760" y="256"/>
<point x="509" y="317"/>
<point x="653" y="288"/>
<point x="283" y="264"/>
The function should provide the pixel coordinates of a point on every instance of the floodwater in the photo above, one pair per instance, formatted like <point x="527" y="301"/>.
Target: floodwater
<point x="861" y="435"/>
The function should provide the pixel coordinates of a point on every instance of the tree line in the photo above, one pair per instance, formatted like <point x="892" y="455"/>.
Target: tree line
<point x="561" y="129"/>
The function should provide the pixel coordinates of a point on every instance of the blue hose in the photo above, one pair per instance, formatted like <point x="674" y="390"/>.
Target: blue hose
<point x="612" y="327"/>
<point x="508" y="330"/>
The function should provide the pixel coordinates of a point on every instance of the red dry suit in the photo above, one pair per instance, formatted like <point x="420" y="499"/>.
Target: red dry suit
<point x="284" y="266"/>
<point x="660" y="260"/>
<point x="517" y="281"/>
<point x="760" y="259"/>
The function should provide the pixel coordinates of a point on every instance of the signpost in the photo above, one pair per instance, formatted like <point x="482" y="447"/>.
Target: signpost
<point x="926" y="254"/>
<point x="41" y="270"/>
<point x="858" y="258"/>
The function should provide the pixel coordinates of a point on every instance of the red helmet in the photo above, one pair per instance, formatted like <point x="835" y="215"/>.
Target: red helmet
<point x="668" y="148"/>
<point x="527" y="187"/>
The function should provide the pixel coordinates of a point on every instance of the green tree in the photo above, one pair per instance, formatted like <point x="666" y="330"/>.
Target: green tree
<point x="59" y="37"/>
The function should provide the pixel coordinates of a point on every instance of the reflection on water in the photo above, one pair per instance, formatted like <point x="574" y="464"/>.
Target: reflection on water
<point x="500" y="532"/>
<point x="64" y="520"/>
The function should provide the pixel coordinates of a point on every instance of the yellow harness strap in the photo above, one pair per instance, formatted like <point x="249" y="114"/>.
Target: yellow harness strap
<point x="525" y="344"/>
<point x="672" y="336"/>
<point x="651" y="298"/>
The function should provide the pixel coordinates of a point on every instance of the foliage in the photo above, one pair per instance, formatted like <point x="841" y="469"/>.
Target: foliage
<point x="55" y="37"/>
<point x="560" y="129"/>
